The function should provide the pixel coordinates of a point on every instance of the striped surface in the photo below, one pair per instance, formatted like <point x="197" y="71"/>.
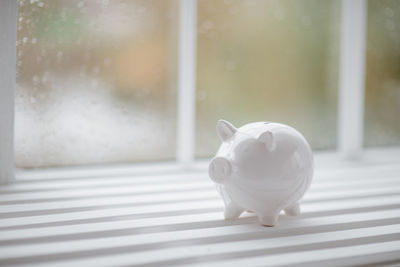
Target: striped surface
<point x="351" y="215"/>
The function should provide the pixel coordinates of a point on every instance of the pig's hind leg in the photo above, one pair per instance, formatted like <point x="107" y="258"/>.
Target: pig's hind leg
<point x="293" y="210"/>
<point x="269" y="217"/>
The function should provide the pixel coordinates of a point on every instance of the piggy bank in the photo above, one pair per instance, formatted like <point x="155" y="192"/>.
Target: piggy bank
<point x="261" y="167"/>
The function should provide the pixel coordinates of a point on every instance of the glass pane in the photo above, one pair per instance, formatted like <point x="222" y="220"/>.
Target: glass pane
<point x="382" y="95"/>
<point x="95" y="82"/>
<point x="268" y="61"/>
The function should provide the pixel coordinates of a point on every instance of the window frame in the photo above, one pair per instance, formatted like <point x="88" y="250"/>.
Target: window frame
<point x="8" y="39"/>
<point x="350" y="92"/>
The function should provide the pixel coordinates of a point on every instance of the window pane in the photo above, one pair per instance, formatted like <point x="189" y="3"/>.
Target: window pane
<point x="382" y="95"/>
<point x="95" y="82"/>
<point x="268" y="61"/>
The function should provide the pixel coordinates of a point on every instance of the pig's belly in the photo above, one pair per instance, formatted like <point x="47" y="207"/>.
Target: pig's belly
<point x="265" y="194"/>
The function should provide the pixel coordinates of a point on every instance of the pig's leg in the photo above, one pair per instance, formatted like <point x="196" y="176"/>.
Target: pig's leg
<point x="268" y="218"/>
<point x="293" y="210"/>
<point x="232" y="211"/>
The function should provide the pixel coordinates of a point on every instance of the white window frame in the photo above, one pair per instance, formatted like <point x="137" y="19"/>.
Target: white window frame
<point x="186" y="82"/>
<point x="352" y="78"/>
<point x="350" y="99"/>
<point x="8" y="39"/>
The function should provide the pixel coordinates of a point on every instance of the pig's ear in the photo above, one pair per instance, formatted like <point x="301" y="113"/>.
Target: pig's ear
<point x="225" y="130"/>
<point x="268" y="139"/>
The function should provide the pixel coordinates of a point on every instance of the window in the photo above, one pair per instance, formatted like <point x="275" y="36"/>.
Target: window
<point x="382" y="90"/>
<point x="268" y="60"/>
<point x="132" y="81"/>
<point x="95" y="82"/>
<point x="88" y="82"/>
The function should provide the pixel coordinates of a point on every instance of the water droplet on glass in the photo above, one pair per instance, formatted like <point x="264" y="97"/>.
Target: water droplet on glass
<point x="390" y="25"/>
<point x="388" y="12"/>
<point x="107" y="61"/>
<point x="227" y="2"/>
<point x="35" y="79"/>
<point x="95" y="70"/>
<point x="44" y="77"/>
<point x="306" y="21"/>
<point x="60" y="55"/>
<point x="234" y="10"/>
<point x="201" y="95"/>
<point x="105" y="4"/>
<point x="230" y="66"/>
<point x="279" y="15"/>
<point x="94" y="83"/>
<point x="208" y="24"/>
<point x="141" y="10"/>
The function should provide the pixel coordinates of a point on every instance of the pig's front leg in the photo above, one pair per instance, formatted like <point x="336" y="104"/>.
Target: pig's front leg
<point x="293" y="210"/>
<point x="232" y="211"/>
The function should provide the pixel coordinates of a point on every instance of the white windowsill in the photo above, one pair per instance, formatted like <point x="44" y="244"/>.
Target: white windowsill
<point x="323" y="160"/>
<point x="160" y="216"/>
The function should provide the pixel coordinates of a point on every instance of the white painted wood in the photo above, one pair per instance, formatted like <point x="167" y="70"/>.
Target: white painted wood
<point x="169" y="182"/>
<point x="364" y="175"/>
<point x="358" y="255"/>
<point x="186" y="82"/>
<point x="212" y="218"/>
<point x="351" y="80"/>
<point x="191" y="222"/>
<point x="223" y="233"/>
<point x="328" y="163"/>
<point x="203" y="187"/>
<point x="307" y="256"/>
<point x="99" y="171"/>
<point x="8" y="38"/>
<point x="178" y="204"/>
<point x="351" y="215"/>
<point x="311" y="240"/>
<point x="201" y="196"/>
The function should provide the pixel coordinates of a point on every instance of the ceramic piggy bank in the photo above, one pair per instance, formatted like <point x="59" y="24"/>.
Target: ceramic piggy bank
<point x="262" y="167"/>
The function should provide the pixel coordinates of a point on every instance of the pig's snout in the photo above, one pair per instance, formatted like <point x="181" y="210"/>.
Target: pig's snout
<point x="220" y="169"/>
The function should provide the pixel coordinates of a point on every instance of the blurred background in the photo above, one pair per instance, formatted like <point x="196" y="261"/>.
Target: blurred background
<point x="97" y="80"/>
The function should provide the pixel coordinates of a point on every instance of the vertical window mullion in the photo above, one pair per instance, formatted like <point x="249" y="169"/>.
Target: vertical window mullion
<point x="186" y="81"/>
<point x="8" y="38"/>
<point x="352" y="72"/>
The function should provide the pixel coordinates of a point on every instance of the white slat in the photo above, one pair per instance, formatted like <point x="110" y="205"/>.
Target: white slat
<point x="209" y="251"/>
<point x="213" y="233"/>
<point x="350" y="215"/>
<point x="173" y="223"/>
<point x="317" y="190"/>
<point x="338" y="256"/>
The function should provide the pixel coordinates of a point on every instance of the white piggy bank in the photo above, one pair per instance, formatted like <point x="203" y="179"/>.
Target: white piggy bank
<point x="262" y="167"/>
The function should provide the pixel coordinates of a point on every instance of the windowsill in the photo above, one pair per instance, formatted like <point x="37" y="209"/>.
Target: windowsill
<point x="125" y="215"/>
<point x="323" y="160"/>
